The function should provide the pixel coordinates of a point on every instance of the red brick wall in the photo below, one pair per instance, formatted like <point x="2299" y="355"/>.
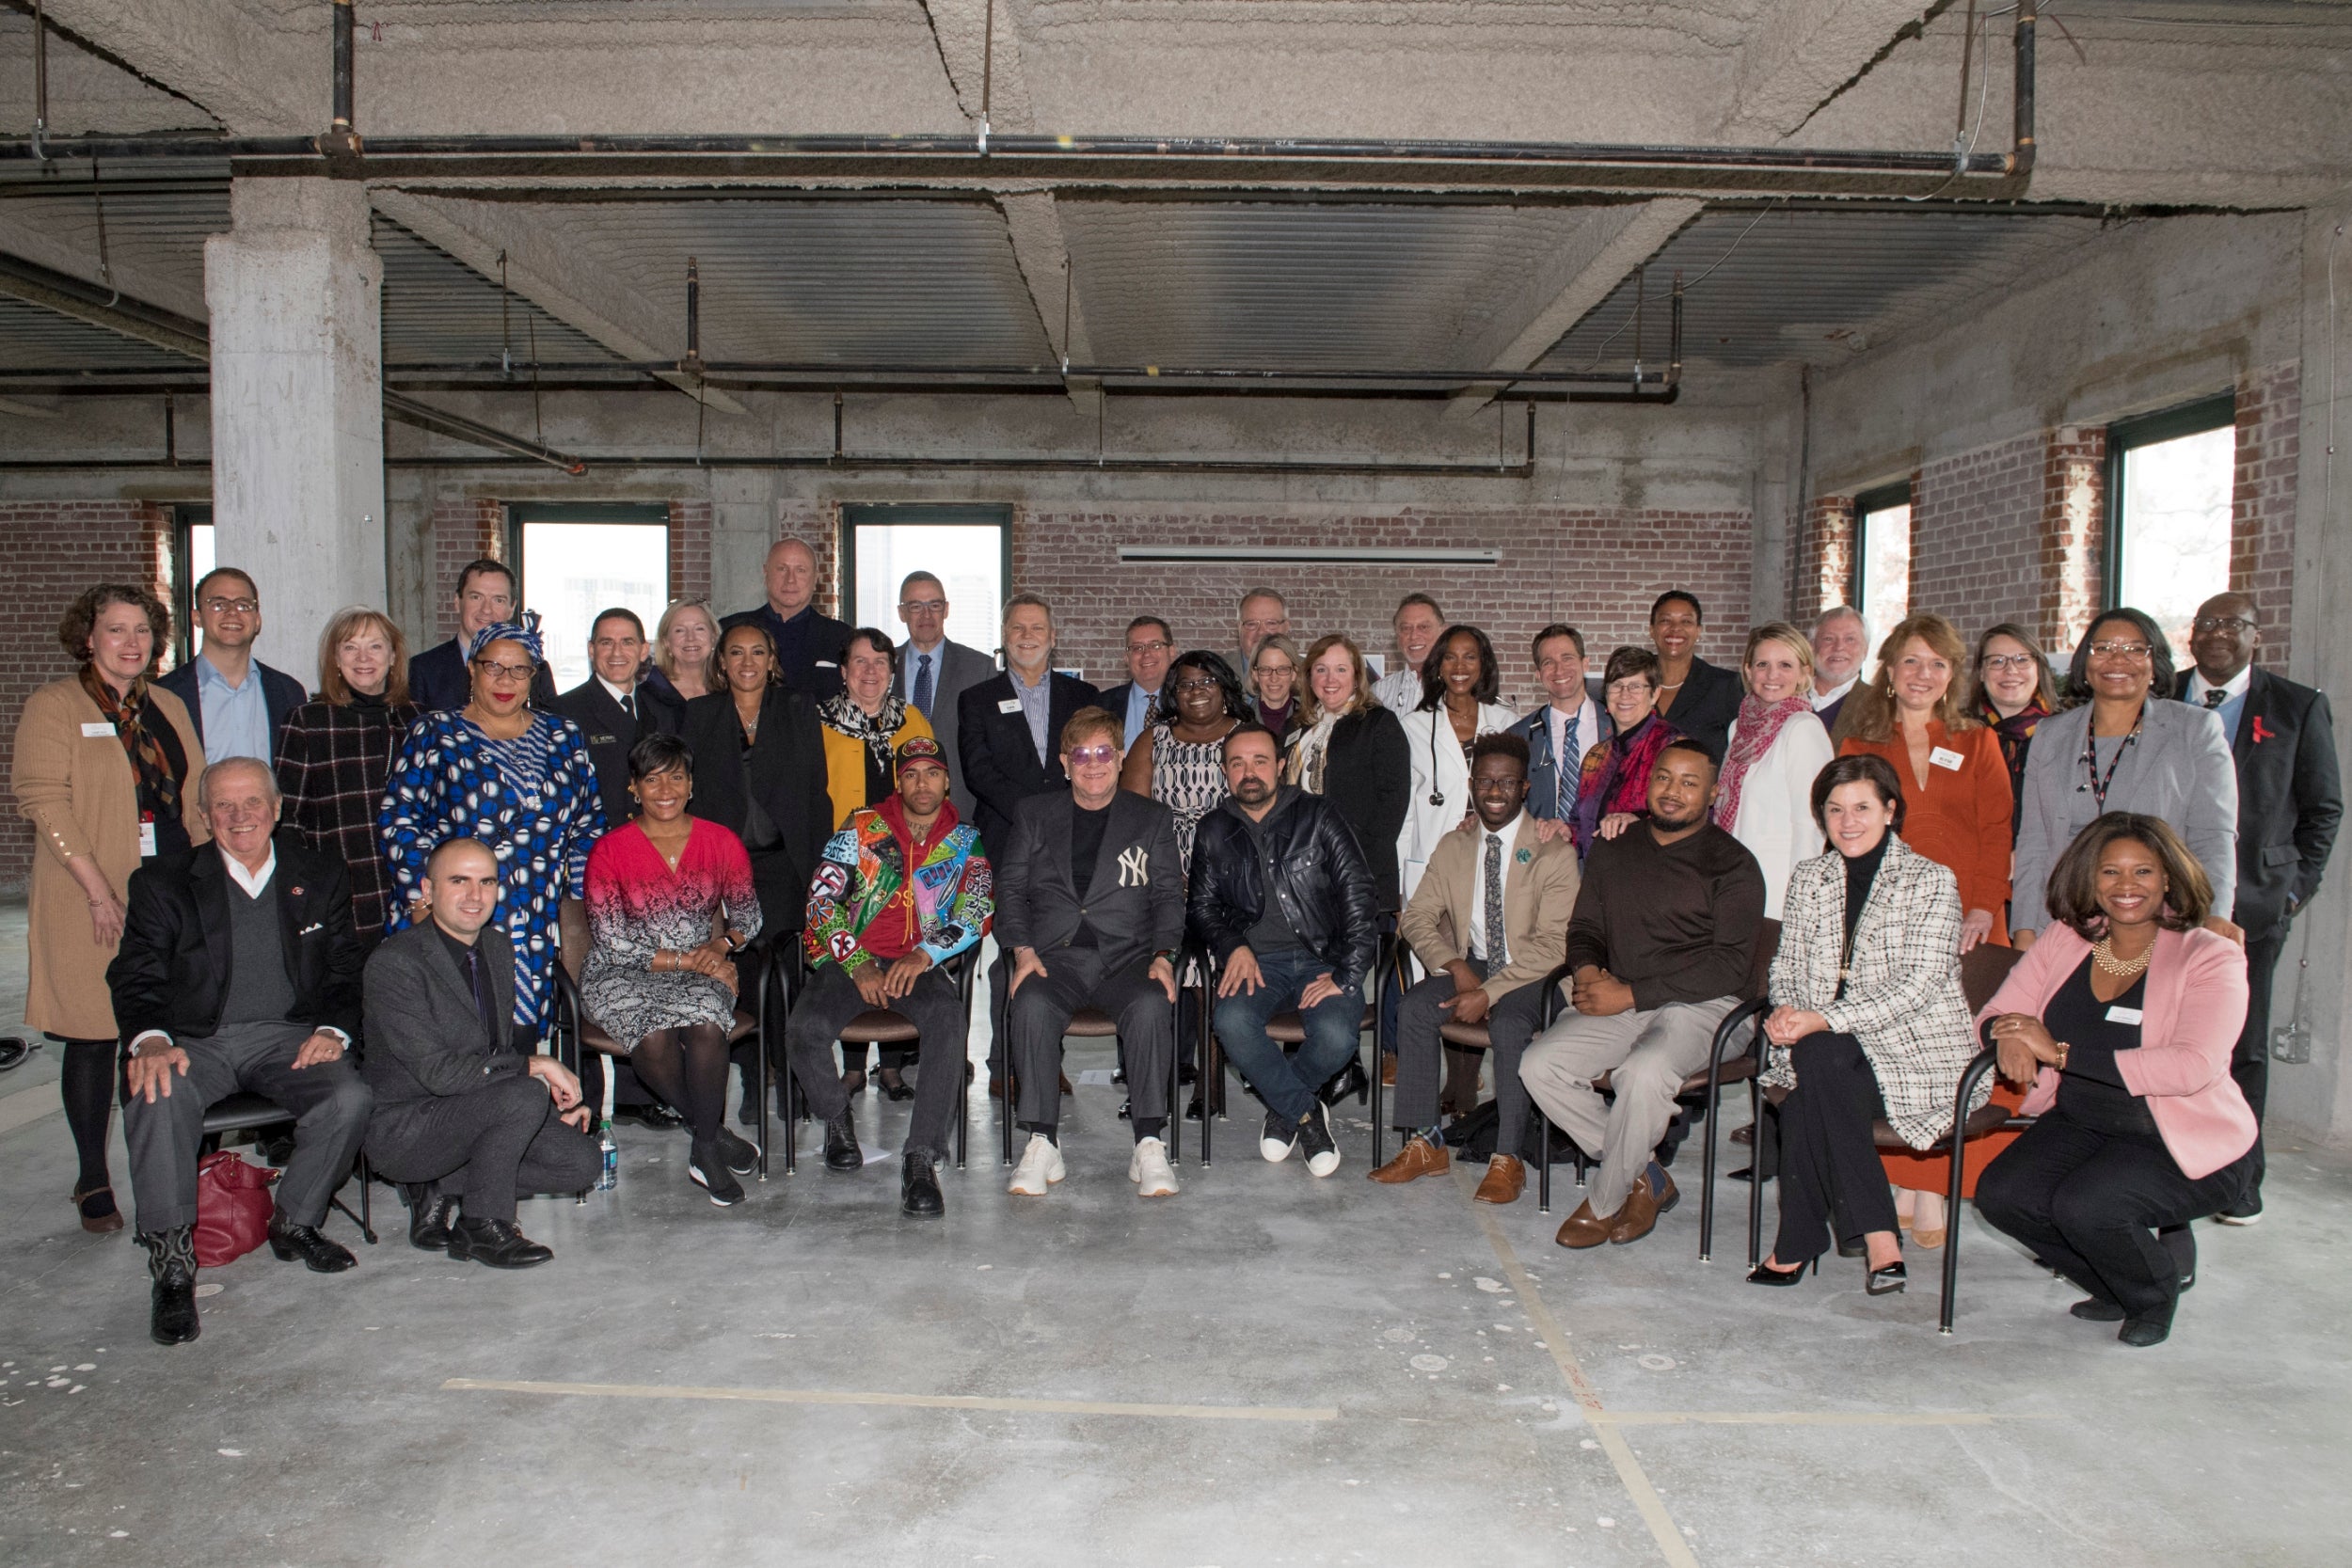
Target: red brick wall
<point x="1822" y="564"/>
<point x="55" y="551"/>
<point x="464" y="531"/>
<point x="690" y="550"/>
<point x="1597" y="570"/>
<point x="2073" y="503"/>
<point x="1977" y="523"/>
<point x="2262" y="552"/>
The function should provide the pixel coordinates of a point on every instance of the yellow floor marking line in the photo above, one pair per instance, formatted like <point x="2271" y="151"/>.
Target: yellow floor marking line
<point x="1804" y="1417"/>
<point x="912" y="1401"/>
<point x="1637" y="1483"/>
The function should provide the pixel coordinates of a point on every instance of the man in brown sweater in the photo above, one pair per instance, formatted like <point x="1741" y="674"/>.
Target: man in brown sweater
<point x="1659" y="946"/>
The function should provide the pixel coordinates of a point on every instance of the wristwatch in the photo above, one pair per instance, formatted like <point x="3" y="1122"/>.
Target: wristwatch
<point x="1172" y="956"/>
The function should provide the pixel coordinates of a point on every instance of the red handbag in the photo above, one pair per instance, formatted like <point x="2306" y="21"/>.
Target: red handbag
<point x="233" y="1208"/>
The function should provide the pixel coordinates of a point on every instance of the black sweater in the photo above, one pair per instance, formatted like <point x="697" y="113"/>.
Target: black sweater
<point x="1676" y="922"/>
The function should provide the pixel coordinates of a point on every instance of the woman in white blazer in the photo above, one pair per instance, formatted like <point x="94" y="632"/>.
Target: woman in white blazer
<point x="1764" y="791"/>
<point x="1460" y="681"/>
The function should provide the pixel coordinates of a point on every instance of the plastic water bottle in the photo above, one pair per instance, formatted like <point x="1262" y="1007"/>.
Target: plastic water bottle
<point x="611" y="1175"/>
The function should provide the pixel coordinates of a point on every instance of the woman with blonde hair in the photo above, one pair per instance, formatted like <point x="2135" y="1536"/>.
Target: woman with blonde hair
<point x="684" y="652"/>
<point x="336" y="752"/>
<point x="1763" y="789"/>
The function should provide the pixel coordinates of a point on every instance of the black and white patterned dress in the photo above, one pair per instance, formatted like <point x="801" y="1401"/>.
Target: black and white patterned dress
<point x="1189" y="778"/>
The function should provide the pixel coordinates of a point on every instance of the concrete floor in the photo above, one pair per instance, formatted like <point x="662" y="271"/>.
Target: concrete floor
<point x="1266" y="1370"/>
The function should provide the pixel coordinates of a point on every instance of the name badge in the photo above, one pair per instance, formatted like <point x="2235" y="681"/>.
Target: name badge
<point x="1944" y="756"/>
<point x="146" y="839"/>
<point x="604" y="739"/>
<point x="100" y="730"/>
<point x="2123" y="1015"/>
<point x="1010" y="704"/>
<point x="827" y="664"/>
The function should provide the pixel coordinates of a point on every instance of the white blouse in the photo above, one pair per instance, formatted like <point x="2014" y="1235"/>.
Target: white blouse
<point x="1440" y="794"/>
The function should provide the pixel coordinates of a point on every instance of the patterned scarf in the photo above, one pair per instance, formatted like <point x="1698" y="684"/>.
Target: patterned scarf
<point x="841" y="713"/>
<point x="2015" y="732"/>
<point x="1760" y="725"/>
<point x="1310" y="750"/>
<point x="159" y="786"/>
<point x="1616" y="776"/>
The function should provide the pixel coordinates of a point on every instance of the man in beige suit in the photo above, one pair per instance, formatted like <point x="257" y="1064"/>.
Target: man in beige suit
<point x="1488" y="922"/>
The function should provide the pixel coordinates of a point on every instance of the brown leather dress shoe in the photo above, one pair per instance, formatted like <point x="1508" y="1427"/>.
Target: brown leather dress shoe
<point x="1584" y="1228"/>
<point x="1388" y="1071"/>
<point x="1418" y="1158"/>
<point x="1639" y="1216"/>
<point x="1506" y="1177"/>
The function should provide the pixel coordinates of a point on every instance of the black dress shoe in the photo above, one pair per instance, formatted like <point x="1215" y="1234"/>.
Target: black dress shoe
<point x="2091" y="1309"/>
<point x="659" y="1118"/>
<point x="919" y="1196"/>
<point x="2142" y="1329"/>
<point x="171" y="1262"/>
<point x="428" y="1221"/>
<point x="1351" y="1079"/>
<point x="496" y="1242"/>
<point x="1192" y="1110"/>
<point x="1126" y="1110"/>
<point x="740" y="1155"/>
<point x="307" y="1242"/>
<point x="842" y="1153"/>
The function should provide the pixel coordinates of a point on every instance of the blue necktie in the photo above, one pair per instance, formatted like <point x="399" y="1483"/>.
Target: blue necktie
<point x="1567" y="770"/>
<point x="922" y="698"/>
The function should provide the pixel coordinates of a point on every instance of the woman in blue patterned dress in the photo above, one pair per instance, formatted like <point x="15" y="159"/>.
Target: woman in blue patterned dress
<point x="519" y="781"/>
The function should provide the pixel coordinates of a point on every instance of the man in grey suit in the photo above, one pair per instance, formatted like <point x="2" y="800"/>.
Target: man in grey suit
<point x="1091" y="905"/>
<point x="933" y="673"/>
<point x="455" y="1103"/>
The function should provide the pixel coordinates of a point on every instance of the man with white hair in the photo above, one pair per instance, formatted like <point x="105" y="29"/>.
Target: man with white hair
<point x="808" y="642"/>
<point x="1841" y="642"/>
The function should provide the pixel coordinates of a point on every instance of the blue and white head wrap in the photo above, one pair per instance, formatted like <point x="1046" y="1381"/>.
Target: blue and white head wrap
<point x="525" y="632"/>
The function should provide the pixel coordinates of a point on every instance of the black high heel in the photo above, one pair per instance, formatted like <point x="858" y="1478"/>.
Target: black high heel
<point x="1764" y="1273"/>
<point x="1888" y="1281"/>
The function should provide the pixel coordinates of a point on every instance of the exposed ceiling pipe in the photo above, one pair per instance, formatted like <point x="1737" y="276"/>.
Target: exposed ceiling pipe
<point x="341" y="140"/>
<point x="424" y="416"/>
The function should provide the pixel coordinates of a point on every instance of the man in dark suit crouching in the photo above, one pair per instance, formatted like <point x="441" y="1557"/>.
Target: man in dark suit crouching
<point x="456" y="1105"/>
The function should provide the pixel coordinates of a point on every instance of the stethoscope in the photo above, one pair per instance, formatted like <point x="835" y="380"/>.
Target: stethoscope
<point x="1437" y="796"/>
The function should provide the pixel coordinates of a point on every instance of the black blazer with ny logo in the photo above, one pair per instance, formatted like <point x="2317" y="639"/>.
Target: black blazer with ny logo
<point x="1135" y="903"/>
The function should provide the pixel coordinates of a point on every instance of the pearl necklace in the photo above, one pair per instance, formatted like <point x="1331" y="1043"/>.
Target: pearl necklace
<point x="2122" y="969"/>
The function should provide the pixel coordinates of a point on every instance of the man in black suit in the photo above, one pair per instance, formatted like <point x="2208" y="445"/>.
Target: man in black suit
<point x="486" y="596"/>
<point x="246" y="700"/>
<point x="1091" y="905"/>
<point x="1701" y="699"/>
<point x="458" y="1110"/>
<point x="1005" y="737"/>
<point x="2290" y="799"/>
<point x="809" y="644"/>
<point x="934" y="672"/>
<point x="1151" y="649"/>
<point x="613" y="708"/>
<point x="238" y="969"/>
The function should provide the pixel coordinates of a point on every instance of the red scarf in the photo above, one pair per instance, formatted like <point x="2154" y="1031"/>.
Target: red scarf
<point x="1760" y="725"/>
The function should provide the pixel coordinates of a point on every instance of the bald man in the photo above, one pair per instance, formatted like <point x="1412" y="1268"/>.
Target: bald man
<point x="809" y="644"/>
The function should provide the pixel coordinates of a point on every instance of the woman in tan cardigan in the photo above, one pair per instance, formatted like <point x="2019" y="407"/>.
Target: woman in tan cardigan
<point x="104" y="769"/>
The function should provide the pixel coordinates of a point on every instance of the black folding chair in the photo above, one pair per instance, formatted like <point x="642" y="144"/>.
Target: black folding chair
<point x="881" y="1026"/>
<point x="242" y="1112"/>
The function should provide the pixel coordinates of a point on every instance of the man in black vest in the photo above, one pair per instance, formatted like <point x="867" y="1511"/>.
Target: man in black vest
<point x="238" y="969"/>
<point x="2289" y="801"/>
<point x="458" y="1110"/>
<point x="1091" y="905"/>
<point x="613" y="708"/>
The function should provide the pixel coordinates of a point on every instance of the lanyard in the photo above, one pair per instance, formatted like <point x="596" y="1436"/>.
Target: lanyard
<point x="2098" y="783"/>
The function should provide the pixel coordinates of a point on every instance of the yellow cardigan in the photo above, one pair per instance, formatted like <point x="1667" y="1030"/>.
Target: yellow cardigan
<point x="845" y="765"/>
<point x="82" y="797"/>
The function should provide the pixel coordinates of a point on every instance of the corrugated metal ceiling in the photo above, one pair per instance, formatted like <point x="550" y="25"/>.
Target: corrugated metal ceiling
<point x="438" y="310"/>
<point x="32" y="338"/>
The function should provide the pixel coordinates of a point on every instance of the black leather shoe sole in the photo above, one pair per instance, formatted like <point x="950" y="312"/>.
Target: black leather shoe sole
<point x="921" y="1199"/>
<point x="1887" y="1281"/>
<point x="2093" y="1310"/>
<point x="173" y="1319"/>
<point x="530" y="1255"/>
<point x="330" y="1258"/>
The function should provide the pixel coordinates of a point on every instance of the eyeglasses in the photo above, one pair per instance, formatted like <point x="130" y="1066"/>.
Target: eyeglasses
<point x="504" y="672"/>
<point x="2120" y="650"/>
<point x="1274" y="625"/>
<point x="1159" y="645"/>
<point x="1088" y="756"/>
<point x="221" y="607"/>
<point x="925" y="607"/>
<point x="1204" y="683"/>
<point x="2222" y="623"/>
<point x="2009" y="661"/>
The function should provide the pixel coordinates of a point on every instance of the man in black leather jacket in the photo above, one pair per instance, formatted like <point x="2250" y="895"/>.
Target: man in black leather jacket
<point x="1282" y="895"/>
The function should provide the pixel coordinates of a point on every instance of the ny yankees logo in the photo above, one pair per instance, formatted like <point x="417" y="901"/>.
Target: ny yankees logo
<point x="1134" y="868"/>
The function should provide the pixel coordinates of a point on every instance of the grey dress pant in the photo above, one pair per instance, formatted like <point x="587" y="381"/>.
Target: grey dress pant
<point x="1420" y="1054"/>
<point x="329" y="1102"/>
<point x="827" y="1003"/>
<point x="1039" y="1015"/>
<point x="1647" y="1055"/>
<point x="492" y="1144"/>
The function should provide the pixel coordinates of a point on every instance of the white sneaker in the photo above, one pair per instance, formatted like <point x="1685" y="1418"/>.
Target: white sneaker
<point x="1278" y="1139"/>
<point x="1040" y="1167"/>
<point x="1150" y="1170"/>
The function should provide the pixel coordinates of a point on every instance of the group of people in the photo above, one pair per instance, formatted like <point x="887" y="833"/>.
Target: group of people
<point x="242" y="886"/>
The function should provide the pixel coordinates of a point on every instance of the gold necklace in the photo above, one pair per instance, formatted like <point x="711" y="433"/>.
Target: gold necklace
<point x="2122" y="969"/>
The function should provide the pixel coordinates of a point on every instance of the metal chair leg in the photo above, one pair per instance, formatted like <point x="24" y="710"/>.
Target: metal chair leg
<point x="1543" y="1162"/>
<point x="1756" y="1175"/>
<point x="1175" y="1085"/>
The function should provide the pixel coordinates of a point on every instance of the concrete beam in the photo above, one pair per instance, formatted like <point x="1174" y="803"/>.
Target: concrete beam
<point x="1614" y="242"/>
<point x="259" y="69"/>
<point x="976" y="71"/>
<point x="1033" y="221"/>
<point x="1803" y="51"/>
<point x="77" y="257"/>
<point x="543" y="269"/>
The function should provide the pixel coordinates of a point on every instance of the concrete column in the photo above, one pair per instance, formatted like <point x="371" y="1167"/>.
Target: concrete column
<point x="2315" y="1100"/>
<point x="296" y="294"/>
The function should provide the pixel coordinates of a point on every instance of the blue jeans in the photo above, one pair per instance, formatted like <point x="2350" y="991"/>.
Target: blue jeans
<point x="1289" y="1086"/>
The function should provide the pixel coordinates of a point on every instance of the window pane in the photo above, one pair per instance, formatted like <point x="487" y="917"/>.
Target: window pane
<point x="200" y="557"/>
<point x="573" y="570"/>
<point x="1886" y="570"/>
<point x="2175" y="549"/>
<point x="969" y="557"/>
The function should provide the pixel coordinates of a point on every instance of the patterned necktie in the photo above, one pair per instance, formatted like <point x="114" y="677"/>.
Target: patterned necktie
<point x="2215" y="696"/>
<point x="1497" y="953"/>
<point x="1566" y="769"/>
<point x="922" y="698"/>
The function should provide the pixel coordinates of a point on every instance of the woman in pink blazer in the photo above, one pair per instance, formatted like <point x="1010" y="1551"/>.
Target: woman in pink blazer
<point x="2122" y="1018"/>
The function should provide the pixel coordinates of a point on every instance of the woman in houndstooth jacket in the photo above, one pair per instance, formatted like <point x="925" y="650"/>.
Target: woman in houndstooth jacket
<point x="336" y="752"/>
<point x="1871" y="1021"/>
